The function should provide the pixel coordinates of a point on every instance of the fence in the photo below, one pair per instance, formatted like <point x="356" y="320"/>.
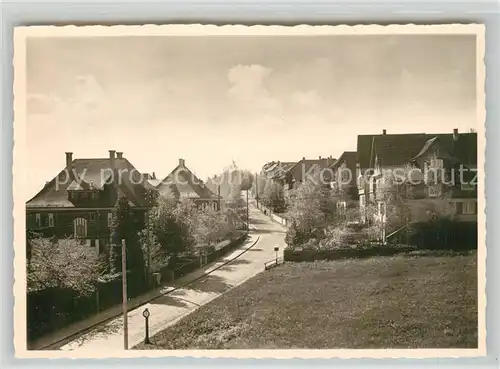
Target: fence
<point x="344" y="253"/>
<point x="52" y="309"/>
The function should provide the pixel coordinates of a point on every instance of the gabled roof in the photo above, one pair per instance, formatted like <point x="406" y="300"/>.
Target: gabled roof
<point x="183" y="183"/>
<point x="92" y="174"/>
<point x="397" y="149"/>
<point x="463" y="149"/>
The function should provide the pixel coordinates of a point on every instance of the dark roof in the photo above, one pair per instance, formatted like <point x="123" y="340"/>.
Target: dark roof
<point x="397" y="149"/>
<point x="463" y="149"/>
<point x="304" y="165"/>
<point x="183" y="183"/>
<point x="349" y="157"/>
<point x="91" y="174"/>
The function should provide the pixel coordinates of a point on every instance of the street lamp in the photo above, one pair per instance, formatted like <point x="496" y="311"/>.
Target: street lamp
<point x="276" y="249"/>
<point x="145" y="314"/>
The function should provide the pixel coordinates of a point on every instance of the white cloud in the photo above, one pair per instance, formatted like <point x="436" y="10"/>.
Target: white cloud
<point x="307" y="99"/>
<point x="250" y="94"/>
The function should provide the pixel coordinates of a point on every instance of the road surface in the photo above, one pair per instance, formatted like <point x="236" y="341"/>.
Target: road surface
<point x="168" y="309"/>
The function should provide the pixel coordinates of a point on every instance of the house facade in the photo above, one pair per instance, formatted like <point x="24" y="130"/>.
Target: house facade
<point x="433" y="163"/>
<point x="79" y="201"/>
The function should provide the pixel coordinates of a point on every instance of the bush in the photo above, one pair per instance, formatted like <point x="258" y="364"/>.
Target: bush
<point x="338" y="237"/>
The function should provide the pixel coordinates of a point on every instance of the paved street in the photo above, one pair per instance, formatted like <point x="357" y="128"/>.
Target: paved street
<point x="166" y="310"/>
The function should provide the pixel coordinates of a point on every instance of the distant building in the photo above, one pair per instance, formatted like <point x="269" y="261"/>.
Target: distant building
<point x="183" y="184"/>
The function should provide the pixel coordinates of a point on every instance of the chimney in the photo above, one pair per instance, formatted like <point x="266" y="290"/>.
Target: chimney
<point x="119" y="155"/>
<point x="320" y="158"/>
<point x="303" y="158"/>
<point x="153" y="175"/>
<point x="69" y="161"/>
<point x="384" y="132"/>
<point x="182" y="163"/>
<point x="455" y="134"/>
<point x="112" y="159"/>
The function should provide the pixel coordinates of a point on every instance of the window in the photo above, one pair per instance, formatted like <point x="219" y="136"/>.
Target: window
<point x="436" y="163"/>
<point x="92" y="243"/>
<point x="362" y="201"/>
<point x="93" y="195"/>
<point x="469" y="207"/>
<point x="453" y="207"/>
<point x="92" y="216"/>
<point x="110" y="220"/>
<point x="435" y="191"/>
<point x="467" y="187"/>
<point x="80" y="227"/>
<point x="38" y="220"/>
<point x="51" y="220"/>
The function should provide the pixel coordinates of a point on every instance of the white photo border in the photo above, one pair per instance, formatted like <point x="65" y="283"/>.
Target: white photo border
<point x="257" y="13"/>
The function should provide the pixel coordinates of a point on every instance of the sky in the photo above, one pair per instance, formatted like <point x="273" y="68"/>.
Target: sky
<point x="251" y="99"/>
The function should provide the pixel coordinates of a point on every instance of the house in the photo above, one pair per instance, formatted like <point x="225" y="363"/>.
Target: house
<point x="307" y="168"/>
<point x="184" y="184"/>
<point x="449" y="167"/>
<point x="276" y="170"/>
<point x="381" y="156"/>
<point x="80" y="199"/>
<point x="344" y="180"/>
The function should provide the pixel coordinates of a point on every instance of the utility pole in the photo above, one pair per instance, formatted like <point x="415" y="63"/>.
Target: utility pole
<point x="150" y="241"/>
<point x="248" y="218"/>
<point x="124" y="287"/>
<point x="256" y="190"/>
<point x="218" y="197"/>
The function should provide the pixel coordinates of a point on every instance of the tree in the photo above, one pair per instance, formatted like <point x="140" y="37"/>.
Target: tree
<point x="313" y="210"/>
<point x="396" y="209"/>
<point x="210" y="227"/>
<point x="247" y="179"/>
<point x="64" y="263"/>
<point x="154" y="255"/>
<point x="171" y="225"/>
<point x="126" y="227"/>
<point x="260" y="185"/>
<point x="274" y="196"/>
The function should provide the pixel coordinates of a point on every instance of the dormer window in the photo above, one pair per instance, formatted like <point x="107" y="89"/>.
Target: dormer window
<point x="79" y="195"/>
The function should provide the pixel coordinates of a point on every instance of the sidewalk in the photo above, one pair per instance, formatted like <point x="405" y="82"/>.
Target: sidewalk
<point x="53" y="340"/>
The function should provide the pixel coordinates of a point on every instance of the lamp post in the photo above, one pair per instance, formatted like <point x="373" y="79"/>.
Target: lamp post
<point x="276" y="249"/>
<point x="145" y="314"/>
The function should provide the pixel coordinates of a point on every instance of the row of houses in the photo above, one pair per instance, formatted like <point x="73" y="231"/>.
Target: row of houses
<point x="362" y="174"/>
<point x="79" y="201"/>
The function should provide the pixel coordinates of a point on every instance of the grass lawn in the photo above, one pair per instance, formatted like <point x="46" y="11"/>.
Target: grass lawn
<point x="384" y="302"/>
